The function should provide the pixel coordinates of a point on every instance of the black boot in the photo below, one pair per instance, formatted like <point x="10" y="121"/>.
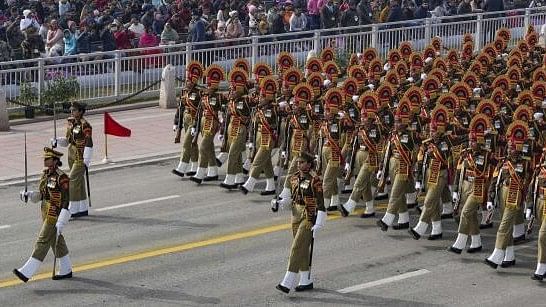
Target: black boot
<point x="282" y="288"/>
<point x="485" y="226"/>
<point x="491" y="263"/>
<point x="382" y="225"/>
<point x="265" y="193"/>
<point x="414" y="234"/>
<point x="401" y="226"/>
<point x="454" y="250"/>
<point x="196" y="180"/>
<point x="507" y="264"/>
<point x="435" y="237"/>
<point x="59" y="277"/>
<point x="304" y="287"/>
<point x="211" y="178"/>
<point x="20" y="275"/>
<point x="473" y="250"/>
<point x="177" y="173"/>
<point x="243" y="189"/>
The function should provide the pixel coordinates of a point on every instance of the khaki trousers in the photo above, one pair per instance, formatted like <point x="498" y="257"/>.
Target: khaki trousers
<point x="301" y="231"/>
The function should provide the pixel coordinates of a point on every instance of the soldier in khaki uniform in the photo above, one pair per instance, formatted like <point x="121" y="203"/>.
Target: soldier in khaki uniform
<point x="308" y="216"/>
<point x="53" y="196"/>
<point x="538" y="208"/>
<point x="266" y="135"/>
<point x="369" y="142"/>
<point x="212" y="102"/>
<point x="435" y="154"/>
<point x="474" y="173"/>
<point x="80" y="152"/>
<point x="240" y="108"/>
<point x="188" y="111"/>
<point x="513" y="180"/>
<point x="399" y="159"/>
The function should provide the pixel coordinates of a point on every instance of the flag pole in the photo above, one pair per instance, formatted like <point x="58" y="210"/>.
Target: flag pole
<point x="106" y="159"/>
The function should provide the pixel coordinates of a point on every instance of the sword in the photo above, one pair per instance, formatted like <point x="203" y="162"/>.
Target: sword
<point x="87" y="182"/>
<point x="275" y="202"/>
<point x="26" y="169"/>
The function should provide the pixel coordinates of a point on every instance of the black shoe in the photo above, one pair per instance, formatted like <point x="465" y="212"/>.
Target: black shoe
<point x="538" y="277"/>
<point x="519" y="240"/>
<point x="211" y="178"/>
<point x="447" y="216"/>
<point x="218" y="162"/>
<point x="245" y="171"/>
<point x="282" y="288"/>
<point x="485" y="226"/>
<point x="367" y="215"/>
<point x="414" y="234"/>
<point x="332" y="208"/>
<point x="265" y="193"/>
<point x="343" y="211"/>
<point x="435" y="237"/>
<point x="401" y="226"/>
<point x="412" y="205"/>
<point x="75" y="215"/>
<point x="83" y="213"/>
<point x="304" y="287"/>
<point x="454" y="250"/>
<point x="507" y="264"/>
<point x="243" y="189"/>
<point x="275" y="177"/>
<point x="189" y="174"/>
<point x="473" y="250"/>
<point x="382" y="225"/>
<point x="228" y="186"/>
<point x="59" y="277"/>
<point x="177" y="173"/>
<point x="348" y="191"/>
<point x="491" y="263"/>
<point x="20" y="275"/>
<point x="381" y="197"/>
<point x="196" y="180"/>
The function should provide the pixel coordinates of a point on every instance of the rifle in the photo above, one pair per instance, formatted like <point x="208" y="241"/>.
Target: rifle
<point x="386" y="158"/>
<point x="179" y="120"/>
<point x="535" y="200"/>
<point x="319" y="151"/>
<point x="54" y="126"/>
<point x="496" y="199"/>
<point x="286" y="147"/>
<point x="26" y="169"/>
<point x="87" y="182"/>
<point x="459" y="189"/>
<point x="251" y="139"/>
<point x="197" y="125"/>
<point x="352" y="158"/>
<point x="224" y="147"/>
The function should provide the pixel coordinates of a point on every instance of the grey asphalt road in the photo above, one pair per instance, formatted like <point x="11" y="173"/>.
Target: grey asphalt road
<point x="153" y="239"/>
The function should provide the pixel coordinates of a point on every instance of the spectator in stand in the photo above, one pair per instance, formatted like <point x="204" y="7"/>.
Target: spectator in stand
<point x="422" y="11"/>
<point x="313" y="10"/>
<point x="83" y="43"/>
<point x="107" y="39"/>
<point x="223" y="12"/>
<point x="5" y="51"/>
<point x="493" y="5"/>
<point x="158" y="24"/>
<point x="28" y="21"/>
<point x="464" y="7"/>
<point x="44" y="28"/>
<point x="364" y="10"/>
<point x="33" y="44"/>
<point x="148" y="39"/>
<point x="54" y="45"/>
<point x="136" y="27"/>
<point x="263" y="26"/>
<point x="64" y="7"/>
<point x="148" y="18"/>
<point x="298" y="21"/>
<point x="276" y="23"/>
<point x="329" y="15"/>
<point x="196" y="30"/>
<point x="476" y="6"/>
<point x="253" y="21"/>
<point x="15" y="38"/>
<point x="69" y="38"/>
<point x="288" y="10"/>
<point x="349" y="18"/>
<point x="395" y="12"/>
<point x="169" y="35"/>
<point x="221" y="30"/>
<point x="234" y="28"/>
<point x="122" y="36"/>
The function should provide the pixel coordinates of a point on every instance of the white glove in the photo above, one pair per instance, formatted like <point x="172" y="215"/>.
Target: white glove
<point x="355" y="98"/>
<point x="175" y="127"/>
<point x="319" y="223"/>
<point x="341" y="114"/>
<point x="423" y="76"/>
<point x="25" y="195"/>
<point x="538" y="116"/>
<point x="220" y="137"/>
<point x="543" y="105"/>
<point x="371" y="86"/>
<point x="250" y="146"/>
<point x="61" y="141"/>
<point x="283" y="154"/>
<point x="192" y="131"/>
<point x="62" y="220"/>
<point x="489" y="206"/>
<point x="283" y="104"/>
<point x="326" y="83"/>
<point x="428" y="60"/>
<point x="33" y="196"/>
<point x="504" y="55"/>
<point x="387" y="66"/>
<point x="347" y="167"/>
<point x="379" y="174"/>
<point x="455" y="196"/>
<point x="410" y="79"/>
<point x="417" y="185"/>
<point x="528" y="214"/>
<point x="87" y="155"/>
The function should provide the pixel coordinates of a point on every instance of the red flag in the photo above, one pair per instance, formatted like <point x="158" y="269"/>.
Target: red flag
<point x="112" y="127"/>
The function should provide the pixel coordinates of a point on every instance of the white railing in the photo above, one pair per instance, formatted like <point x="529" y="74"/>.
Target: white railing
<point x="108" y="76"/>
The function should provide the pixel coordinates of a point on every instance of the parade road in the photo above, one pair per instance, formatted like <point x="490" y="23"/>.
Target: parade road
<point x="153" y="239"/>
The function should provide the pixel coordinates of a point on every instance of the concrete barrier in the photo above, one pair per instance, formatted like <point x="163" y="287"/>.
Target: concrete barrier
<point x="4" y="118"/>
<point x="167" y="91"/>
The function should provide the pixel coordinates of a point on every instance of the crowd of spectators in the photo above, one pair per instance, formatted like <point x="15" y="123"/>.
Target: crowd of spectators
<point x="32" y="28"/>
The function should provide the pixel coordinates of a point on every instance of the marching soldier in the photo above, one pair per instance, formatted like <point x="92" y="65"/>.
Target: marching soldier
<point x="186" y="118"/>
<point x="308" y="216"/>
<point x="510" y="189"/>
<point x="399" y="159"/>
<point x="240" y="108"/>
<point x="331" y="150"/>
<point x="212" y="103"/>
<point x="435" y="156"/>
<point x="53" y="196"/>
<point x="537" y="211"/>
<point x="265" y="138"/>
<point x="369" y="142"/>
<point x="474" y="172"/>
<point x="80" y="152"/>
